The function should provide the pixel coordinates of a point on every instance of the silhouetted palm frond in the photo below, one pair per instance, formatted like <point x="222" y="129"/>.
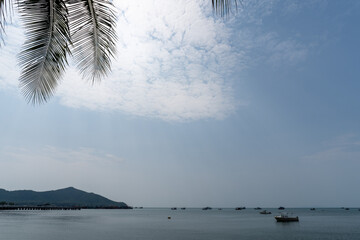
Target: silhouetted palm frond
<point x="92" y="25"/>
<point x="4" y="9"/>
<point x="43" y="59"/>
<point x="223" y="7"/>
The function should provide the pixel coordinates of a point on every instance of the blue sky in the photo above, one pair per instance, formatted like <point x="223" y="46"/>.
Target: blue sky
<point x="261" y="109"/>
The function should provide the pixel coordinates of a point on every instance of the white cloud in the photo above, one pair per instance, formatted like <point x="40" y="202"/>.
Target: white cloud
<point x="9" y="70"/>
<point x="171" y="64"/>
<point x="175" y="61"/>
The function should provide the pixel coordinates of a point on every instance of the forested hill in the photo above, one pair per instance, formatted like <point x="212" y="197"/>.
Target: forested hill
<point x="62" y="197"/>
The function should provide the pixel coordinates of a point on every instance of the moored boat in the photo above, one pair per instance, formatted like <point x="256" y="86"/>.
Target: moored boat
<point x="283" y="217"/>
<point x="207" y="208"/>
<point x="240" y="208"/>
<point x="265" y="212"/>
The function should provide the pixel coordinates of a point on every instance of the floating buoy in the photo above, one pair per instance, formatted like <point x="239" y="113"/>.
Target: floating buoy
<point x="169" y="217"/>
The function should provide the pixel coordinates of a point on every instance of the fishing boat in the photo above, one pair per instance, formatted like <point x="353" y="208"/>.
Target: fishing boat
<point x="240" y="208"/>
<point x="281" y="208"/>
<point x="283" y="217"/>
<point x="207" y="208"/>
<point x="265" y="212"/>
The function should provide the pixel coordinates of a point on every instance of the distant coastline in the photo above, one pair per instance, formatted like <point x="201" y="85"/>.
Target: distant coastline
<point x="67" y="198"/>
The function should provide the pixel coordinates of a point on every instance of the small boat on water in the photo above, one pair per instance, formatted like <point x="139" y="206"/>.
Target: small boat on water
<point x="183" y="208"/>
<point x="283" y="217"/>
<point x="312" y="209"/>
<point x="240" y="208"/>
<point x="257" y="208"/>
<point x="174" y="208"/>
<point x="281" y="208"/>
<point x="207" y="208"/>
<point x="265" y="212"/>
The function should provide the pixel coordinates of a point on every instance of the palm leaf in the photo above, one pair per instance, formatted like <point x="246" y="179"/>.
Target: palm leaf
<point x="92" y="25"/>
<point x="43" y="59"/>
<point x="223" y="7"/>
<point x="4" y="10"/>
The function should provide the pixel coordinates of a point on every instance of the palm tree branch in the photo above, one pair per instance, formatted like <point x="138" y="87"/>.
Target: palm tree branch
<point x="223" y="7"/>
<point x="92" y="24"/>
<point x="5" y="6"/>
<point x="43" y="58"/>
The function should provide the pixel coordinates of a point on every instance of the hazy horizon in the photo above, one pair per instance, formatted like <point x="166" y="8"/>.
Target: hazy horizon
<point x="197" y="207"/>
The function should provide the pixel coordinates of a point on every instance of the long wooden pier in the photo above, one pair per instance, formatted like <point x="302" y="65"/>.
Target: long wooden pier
<point x="29" y="208"/>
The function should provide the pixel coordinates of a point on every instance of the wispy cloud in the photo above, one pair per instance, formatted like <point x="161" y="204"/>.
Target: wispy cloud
<point x="175" y="61"/>
<point x="171" y="64"/>
<point x="54" y="154"/>
<point x="9" y="70"/>
<point x="343" y="148"/>
<point x="50" y="167"/>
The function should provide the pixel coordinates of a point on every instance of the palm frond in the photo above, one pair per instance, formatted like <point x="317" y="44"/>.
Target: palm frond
<point x="43" y="58"/>
<point x="223" y="7"/>
<point x="92" y="25"/>
<point x="5" y="6"/>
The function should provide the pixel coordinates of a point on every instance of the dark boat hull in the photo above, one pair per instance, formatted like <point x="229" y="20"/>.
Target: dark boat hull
<point x="286" y="219"/>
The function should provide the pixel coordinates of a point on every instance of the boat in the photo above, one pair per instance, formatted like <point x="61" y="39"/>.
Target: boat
<point x="219" y="208"/>
<point x="240" y="208"/>
<point x="312" y="209"/>
<point x="283" y="217"/>
<point x="265" y="212"/>
<point x="183" y="208"/>
<point x="207" y="208"/>
<point x="257" y="208"/>
<point x="347" y="208"/>
<point x="281" y="208"/>
<point x="174" y="208"/>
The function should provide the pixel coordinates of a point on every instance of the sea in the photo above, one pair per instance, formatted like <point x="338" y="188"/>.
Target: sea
<point x="167" y="224"/>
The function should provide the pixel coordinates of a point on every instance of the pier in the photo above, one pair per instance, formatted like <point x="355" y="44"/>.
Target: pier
<point x="36" y="208"/>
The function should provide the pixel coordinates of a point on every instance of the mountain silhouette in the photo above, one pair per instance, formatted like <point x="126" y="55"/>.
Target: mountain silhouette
<point x="62" y="197"/>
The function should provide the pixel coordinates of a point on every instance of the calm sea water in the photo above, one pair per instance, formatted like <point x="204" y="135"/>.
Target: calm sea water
<point x="153" y="224"/>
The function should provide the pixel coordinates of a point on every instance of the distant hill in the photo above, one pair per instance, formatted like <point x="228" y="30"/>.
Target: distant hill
<point x="63" y="197"/>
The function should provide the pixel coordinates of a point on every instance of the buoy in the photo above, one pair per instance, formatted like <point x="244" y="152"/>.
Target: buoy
<point x="169" y="217"/>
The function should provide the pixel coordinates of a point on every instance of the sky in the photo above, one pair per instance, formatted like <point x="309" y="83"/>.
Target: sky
<point x="258" y="109"/>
